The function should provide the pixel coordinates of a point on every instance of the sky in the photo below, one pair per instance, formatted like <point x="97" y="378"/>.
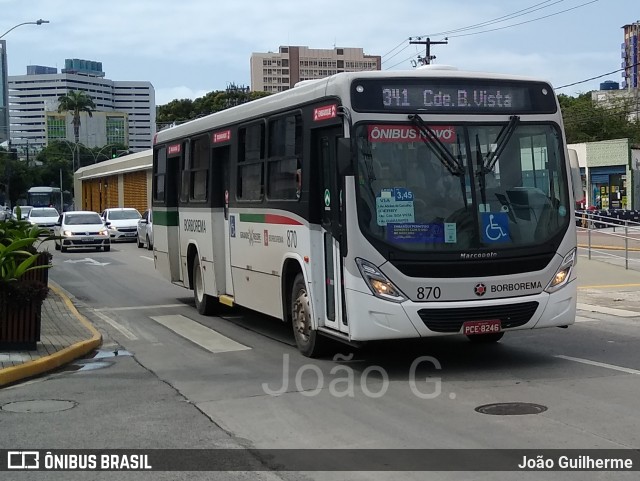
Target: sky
<point x="187" y="48"/>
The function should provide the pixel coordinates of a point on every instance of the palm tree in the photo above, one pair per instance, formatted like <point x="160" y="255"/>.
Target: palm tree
<point x="76" y="102"/>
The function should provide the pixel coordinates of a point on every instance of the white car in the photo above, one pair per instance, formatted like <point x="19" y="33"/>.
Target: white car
<point x="145" y="230"/>
<point x="24" y="211"/>
<point x="45" y="217"/>
<point x="122" y="223"/>
<point x="81" y="229"/>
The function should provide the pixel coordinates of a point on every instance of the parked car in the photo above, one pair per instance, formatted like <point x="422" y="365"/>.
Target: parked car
<point x="45" y="217"/>
<point x="81" y="229"/>
<point x="145" y="230"/>
<point x="122" y="223"/>
<point x="24" y="211"/>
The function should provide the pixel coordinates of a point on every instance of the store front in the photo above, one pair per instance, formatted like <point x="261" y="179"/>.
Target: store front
<point x="608" y="187"/>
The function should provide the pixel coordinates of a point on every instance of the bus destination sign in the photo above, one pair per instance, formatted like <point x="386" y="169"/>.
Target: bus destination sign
<point x="462" y="96"/>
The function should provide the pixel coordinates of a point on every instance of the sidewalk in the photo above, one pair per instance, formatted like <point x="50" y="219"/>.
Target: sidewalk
<point x="65" y="335"/>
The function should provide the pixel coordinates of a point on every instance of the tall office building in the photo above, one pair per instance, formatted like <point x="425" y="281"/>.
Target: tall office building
<point x="276" y="72"/>
<point x="4" y="94"/>
<point x="631" y="56"/>
<point x="125" y="110"/>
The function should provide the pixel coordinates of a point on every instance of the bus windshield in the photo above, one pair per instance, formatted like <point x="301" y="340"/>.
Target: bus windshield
<point x="461" y="187"/>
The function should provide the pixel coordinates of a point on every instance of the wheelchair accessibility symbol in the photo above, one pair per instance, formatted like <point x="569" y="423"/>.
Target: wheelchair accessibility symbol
<point x="495" y="227"/>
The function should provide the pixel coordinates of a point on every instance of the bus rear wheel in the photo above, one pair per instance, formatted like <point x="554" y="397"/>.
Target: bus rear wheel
<point x="310" y="343"/>
<point x="486" y="338"/>
<point x="204" y="302"/>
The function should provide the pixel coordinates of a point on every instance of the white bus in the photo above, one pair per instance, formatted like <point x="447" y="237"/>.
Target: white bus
<point x="376" y="205"/>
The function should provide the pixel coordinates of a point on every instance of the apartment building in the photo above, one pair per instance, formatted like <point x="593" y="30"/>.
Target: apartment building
<point x="279" y="71"/>
<point x="631" y="56"/>
<point x="125" y="110"/>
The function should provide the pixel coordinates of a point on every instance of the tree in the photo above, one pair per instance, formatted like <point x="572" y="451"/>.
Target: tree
<point x="187" y="109"/>
<point x="76" y="102"/>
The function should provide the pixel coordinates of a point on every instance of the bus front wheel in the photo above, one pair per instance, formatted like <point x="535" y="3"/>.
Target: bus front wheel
<point x="204" y="302"/>
<point x="309" y="342"/>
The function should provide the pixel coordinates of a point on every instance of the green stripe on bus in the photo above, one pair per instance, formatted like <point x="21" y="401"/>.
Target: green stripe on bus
<point x="165" y="218"/>
<point x="252" y="218"/>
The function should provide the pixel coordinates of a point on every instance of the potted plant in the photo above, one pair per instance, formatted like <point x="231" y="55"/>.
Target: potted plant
<point x="23" y="283"/>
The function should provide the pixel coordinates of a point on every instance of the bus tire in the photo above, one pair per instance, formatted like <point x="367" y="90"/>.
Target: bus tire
<point x="57" y="246"/>
<point x="149" y="244"/>
<point x="204" y="302"/>
<point x="63" y="248"/>
<point x="486" y="338"/>
<point x="310" y="343"/>
<point x="140" y="244"/>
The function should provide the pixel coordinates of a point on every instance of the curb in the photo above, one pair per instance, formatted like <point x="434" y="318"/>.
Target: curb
<point x="53" y="361"/>
<point x="611" y="248"/>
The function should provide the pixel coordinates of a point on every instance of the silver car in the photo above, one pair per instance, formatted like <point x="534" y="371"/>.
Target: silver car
<point x="45" y="217"/>
<point x="81" y="229"/>
<point x="145" y="230"/>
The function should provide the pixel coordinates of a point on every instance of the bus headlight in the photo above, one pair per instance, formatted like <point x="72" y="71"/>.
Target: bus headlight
<point x="103" y="232"/>
<point x="378" y="283"/>
<point x="563" y="273"/>
<point x="67" y="233"/>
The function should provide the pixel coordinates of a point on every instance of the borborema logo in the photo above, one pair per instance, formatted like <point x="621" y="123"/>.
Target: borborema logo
<point x="480" y="289"/>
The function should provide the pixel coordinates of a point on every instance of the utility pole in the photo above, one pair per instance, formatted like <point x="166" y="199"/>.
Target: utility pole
<point x="428" y="42"/>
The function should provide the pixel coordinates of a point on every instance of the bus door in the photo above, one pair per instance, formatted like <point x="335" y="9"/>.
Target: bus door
<point x="221" y="186"/>
<point x="331" y="205"/>
<point x="175" y="163"/>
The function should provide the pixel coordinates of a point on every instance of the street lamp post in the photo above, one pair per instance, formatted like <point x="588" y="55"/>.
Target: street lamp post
<point x="4" y="79"/>
<point x="37" y="22"/>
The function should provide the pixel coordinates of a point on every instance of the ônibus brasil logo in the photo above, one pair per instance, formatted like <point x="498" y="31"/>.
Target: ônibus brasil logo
<point x="480" y="289"/>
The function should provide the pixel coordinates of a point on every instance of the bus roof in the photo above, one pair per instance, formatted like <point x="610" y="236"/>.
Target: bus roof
<point x="306" y="91"/>
<point x="43" y="190"/>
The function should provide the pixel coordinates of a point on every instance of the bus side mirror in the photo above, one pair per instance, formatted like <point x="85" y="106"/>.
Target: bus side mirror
<point x="576" y="178"/>
<point x="344" y="156"/>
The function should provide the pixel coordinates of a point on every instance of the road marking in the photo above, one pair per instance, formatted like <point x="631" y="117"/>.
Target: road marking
<point x="608" y="310"/>
<point x="147" y="257"/>
<point x="586" y="319"/>
<point x="125" y="332"/>
<point x="88" y="260"/>
<point x="195" y="332"/>
<point x="133" y="308"/>
<point x="600" y="364"/>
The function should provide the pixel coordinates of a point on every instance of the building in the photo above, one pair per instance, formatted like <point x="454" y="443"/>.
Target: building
<point x="610" y="173"/>
<point x="4" y="94"/>
<point x="625" y="99"/>
<point x="276" y="72"/>
<point x="631" y="56"/>
<point x="125" y="110"/>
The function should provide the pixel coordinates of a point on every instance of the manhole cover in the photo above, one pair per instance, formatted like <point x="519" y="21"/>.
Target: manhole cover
<point x="511" y="409"/>
<point x="41" y="406"/>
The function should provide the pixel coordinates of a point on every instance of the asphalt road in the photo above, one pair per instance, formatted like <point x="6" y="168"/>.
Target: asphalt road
<point x="240" y="382"/>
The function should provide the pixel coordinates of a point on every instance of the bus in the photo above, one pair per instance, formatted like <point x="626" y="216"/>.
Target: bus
<point x="47" y="197"/>
<point x="376" y="206"/>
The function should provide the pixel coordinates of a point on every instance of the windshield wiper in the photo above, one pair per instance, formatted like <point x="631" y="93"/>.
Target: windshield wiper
<point x="431" y="140"/>
<point x="501" y="143"/>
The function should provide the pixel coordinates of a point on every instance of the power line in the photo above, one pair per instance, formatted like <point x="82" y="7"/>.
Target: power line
<point x="504" y="18"/>
<point x="595" y="78"/>
<point x="526" y="21"/>
<point x="506" y="26"/>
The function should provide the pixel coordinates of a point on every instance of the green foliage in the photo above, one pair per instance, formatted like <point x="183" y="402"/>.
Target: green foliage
<point x="19" y="241"/>
<point x="585" y="121"/>
<point x="76" y="102"/>
<point x="187" y="109"/>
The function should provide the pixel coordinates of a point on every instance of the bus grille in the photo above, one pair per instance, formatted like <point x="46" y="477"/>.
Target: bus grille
<point x="451" y="320"/>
